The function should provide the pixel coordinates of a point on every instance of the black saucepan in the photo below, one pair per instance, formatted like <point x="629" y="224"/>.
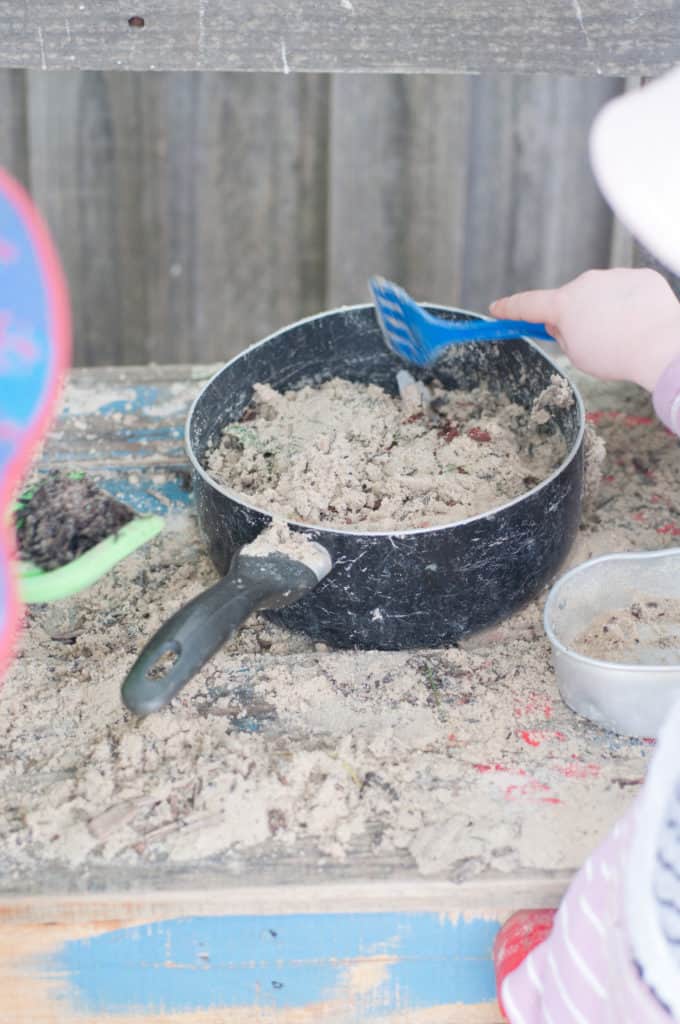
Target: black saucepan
<point x="386" y="590"/>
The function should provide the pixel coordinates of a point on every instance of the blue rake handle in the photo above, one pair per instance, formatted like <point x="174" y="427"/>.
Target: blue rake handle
<point x="442" y="333"/>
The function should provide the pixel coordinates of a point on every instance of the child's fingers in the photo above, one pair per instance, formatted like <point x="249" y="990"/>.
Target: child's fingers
<point x="538" y="307"/>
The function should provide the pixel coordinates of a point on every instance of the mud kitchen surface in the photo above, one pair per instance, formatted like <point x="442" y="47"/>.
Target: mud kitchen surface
<point x="350" y="454"/>
<point x="284" y="760"/>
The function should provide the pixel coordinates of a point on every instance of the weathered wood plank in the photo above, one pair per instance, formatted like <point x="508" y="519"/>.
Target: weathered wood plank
<point x="197" y="213"/>
<point x="463" y="189"/>
<point x="397" y="185"/>
<point x="189" y="209"/>
<point x="608" y="37"/>
<point x="420" y="952"/>
<point x="84" y="178"/>
<point x="534" y="215"/>
<point x="426" y="967"/>
<point x="14" y="125"/>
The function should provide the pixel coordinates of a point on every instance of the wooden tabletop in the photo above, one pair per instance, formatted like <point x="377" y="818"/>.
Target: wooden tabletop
<point x="443" y="786"/>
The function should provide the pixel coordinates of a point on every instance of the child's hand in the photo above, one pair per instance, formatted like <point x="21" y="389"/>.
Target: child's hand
<point x="614" y="324"/>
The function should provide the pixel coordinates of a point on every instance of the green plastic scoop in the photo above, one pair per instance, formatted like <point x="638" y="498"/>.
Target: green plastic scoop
<point x="41" y="586"/>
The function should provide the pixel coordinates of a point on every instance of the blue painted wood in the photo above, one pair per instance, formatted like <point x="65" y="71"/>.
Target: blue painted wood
<point x="147" y="497"/>
<point x="135" y="424"/>
<point x="281" y="961"/>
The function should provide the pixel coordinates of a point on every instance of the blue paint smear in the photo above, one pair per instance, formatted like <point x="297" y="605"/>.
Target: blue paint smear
<point x="145" y="396"/>
<point x="122" y="454"/>
<point x="146" y="434"/>
<point x="281" y="961"/>
<point x="138" y="498"/>
<point x="247" y="724"/>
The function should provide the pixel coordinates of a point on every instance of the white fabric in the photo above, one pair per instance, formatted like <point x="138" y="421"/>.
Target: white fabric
<point x="635" y="155"/>
<point x="652" y="883"/>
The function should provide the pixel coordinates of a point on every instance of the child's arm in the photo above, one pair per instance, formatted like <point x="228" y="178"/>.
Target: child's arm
<point x="614" y="324"/>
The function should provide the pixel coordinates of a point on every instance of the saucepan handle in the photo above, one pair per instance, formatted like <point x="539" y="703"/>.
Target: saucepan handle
<point x="190" y="638"/>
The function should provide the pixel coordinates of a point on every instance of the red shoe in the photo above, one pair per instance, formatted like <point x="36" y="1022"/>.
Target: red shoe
<point x="519" y="935"/>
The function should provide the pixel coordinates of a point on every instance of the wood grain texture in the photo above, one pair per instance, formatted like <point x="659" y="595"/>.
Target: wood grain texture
<point x="204" y="957"/>
<point x="83" y="180"/>
<point x="13" y="125"/>
<point x="422" y="968"/>
<point x="606" y="37"/>
<point x="196" y="213"/>
<point x="399" y="166"/>
<point x="534" y="216"/>
<point x="189" y="209"/>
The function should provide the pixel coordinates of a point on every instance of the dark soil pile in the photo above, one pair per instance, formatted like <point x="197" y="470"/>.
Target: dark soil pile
<point x="65" y="517"/>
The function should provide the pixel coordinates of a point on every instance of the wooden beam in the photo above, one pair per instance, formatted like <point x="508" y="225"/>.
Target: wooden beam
<point x="417" y="952"/>
<point x="586" y="37"/>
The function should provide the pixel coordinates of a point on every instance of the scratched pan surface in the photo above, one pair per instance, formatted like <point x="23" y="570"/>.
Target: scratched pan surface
<point x="407" y="588"/>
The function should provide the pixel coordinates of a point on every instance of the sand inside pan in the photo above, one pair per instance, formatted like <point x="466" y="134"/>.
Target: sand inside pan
<point x="348" y="454"/>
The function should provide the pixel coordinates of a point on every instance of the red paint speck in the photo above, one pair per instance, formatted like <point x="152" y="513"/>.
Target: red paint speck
<point x="535" y="705"/>
<point x="448" y="432"/>
<point x="477" y="434"/>
<point x="612" y="414"/>
<point x="668" y="528"/>
<point x="638" y="421"/>
<point x="534" y="737"/>
<point x="532" y="790"/>
<point x="580" y="771"/>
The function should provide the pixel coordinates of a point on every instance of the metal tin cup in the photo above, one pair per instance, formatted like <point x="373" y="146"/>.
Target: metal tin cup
<point x="628" y="698"/>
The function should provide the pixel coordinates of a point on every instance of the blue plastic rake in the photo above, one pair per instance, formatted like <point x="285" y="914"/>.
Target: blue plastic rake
<point x="418" y="337"/>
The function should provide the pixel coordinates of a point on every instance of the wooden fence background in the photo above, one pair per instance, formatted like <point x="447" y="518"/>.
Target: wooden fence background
<point x="197" y="212"/>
